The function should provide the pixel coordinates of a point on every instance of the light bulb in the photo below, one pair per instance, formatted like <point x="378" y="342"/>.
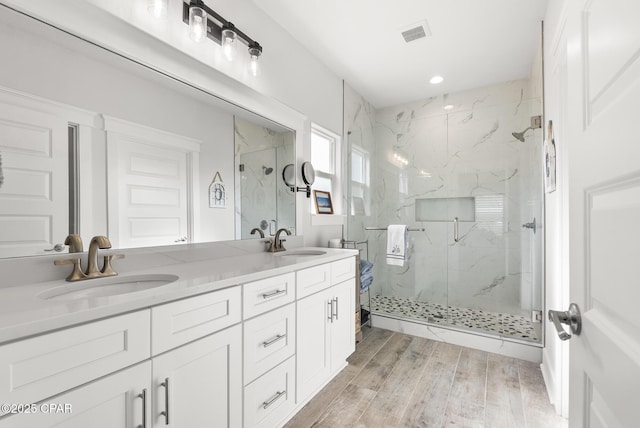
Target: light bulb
<point x="229" y="38"/>
<point x="158" y="8"/>
<point x="197" y="23"/>
<point x="255" y="50"/>
<point x="254" y="65"/>
<point x="436" y="79"/>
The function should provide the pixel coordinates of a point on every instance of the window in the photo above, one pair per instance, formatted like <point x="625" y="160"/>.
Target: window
<point x="325" y="157"/>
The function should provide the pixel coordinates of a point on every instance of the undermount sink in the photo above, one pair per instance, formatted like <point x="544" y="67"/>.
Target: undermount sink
<point x="104" y="287"/>
<point x="303" y="253"/>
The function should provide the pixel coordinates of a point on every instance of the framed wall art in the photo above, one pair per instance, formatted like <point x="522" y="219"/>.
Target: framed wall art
<point x="323" y="202"/>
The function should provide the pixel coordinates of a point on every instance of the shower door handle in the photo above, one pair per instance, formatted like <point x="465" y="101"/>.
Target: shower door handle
<point x="531" y="225"/>
<point x="456" y="234"/>
<point x="570" y="317"/>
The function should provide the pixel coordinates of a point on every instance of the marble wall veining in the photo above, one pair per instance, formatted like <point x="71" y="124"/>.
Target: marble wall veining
<point x="422" y="150"/>
<point x="265" y="201"/>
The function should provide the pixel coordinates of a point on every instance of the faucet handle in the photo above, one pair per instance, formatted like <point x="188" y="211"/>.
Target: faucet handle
<point x="107" y="269"/>
<point x="76" y="274"/>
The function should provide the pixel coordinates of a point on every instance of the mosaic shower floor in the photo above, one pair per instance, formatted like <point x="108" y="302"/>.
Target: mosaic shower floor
<point x="514" y="326"/>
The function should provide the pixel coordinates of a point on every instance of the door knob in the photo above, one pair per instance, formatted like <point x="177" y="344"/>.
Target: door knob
<point x="571" y="318"/>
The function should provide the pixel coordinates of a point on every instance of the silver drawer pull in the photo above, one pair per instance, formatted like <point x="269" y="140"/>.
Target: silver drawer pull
<point x="273" y="293"/>
<point x="275" y="398"/>
<point x="143" y="396"/>
<point x="268" y="343"/>
<point x="165" y="413"/>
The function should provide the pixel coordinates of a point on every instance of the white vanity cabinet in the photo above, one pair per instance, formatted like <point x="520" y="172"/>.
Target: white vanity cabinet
<point x="325" y="324"/>
<point x="248" y="355"/>
<point x="197" y="375"/>
<point x="199" y="384"/>
<point x="196" y="351"/>
<point x="269" y="350"/>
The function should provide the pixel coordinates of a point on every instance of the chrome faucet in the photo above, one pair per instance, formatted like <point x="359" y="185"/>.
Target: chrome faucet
<point x="97" y="242"/>
<point x="256" y="229"/>
<point x="276" y="244"/>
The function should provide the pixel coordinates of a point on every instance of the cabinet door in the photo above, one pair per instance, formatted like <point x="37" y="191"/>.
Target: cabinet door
<point x="312" y="353"/>
<point x="115" y="401"/>
<point x="343" y="327"/>
<point x="200" y="384"/>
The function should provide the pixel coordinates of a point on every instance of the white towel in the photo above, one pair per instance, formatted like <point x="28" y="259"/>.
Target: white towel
<point x="397" y="244"/>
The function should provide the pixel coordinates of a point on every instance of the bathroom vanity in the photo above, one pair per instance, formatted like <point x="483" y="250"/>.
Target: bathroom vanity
<point x="234" y="341"/>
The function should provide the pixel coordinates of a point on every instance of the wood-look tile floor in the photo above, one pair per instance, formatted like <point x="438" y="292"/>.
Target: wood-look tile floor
<point x="397" y="380"/>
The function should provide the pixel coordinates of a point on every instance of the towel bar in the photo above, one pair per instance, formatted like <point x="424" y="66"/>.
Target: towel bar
<point x="410" y="229"/>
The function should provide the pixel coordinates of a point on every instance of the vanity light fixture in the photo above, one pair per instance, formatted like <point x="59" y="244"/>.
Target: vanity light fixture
<point x="205" y="22"/>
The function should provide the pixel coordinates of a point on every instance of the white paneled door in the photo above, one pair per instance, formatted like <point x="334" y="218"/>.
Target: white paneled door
<point x="603" y="141"/>
<point x="150" y="182"/>
<point x="34" y="194"/>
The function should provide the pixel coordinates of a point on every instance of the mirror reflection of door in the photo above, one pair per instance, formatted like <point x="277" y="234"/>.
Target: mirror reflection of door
<point x="149" y="180"/>
<point x="33" y="195"/>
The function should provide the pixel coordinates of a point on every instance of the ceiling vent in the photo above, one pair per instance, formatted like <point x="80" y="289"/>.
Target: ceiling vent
<point x="416" y="31"/>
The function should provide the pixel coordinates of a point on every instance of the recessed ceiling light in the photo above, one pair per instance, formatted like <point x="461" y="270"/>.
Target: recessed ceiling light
<point x="436" y="79"/>
<point x="448" y="107"/>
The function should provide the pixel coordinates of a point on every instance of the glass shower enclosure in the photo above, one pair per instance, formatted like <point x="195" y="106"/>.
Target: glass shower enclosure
<point x="470" y="190"/>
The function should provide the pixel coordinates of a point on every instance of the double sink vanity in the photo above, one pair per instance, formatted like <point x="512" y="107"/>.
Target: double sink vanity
<point x="227" y="341"/>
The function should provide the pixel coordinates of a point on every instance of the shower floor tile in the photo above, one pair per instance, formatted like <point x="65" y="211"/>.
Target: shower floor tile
<point x="515" y="326"/>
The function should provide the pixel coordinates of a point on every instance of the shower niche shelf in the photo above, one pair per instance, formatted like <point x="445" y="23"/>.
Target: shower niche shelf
<point x="444" y="209"/>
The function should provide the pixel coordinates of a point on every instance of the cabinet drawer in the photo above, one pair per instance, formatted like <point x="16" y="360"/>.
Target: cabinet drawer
<point x="342" y="270"/>
<point x="270" y="293"/>
<point x="37" y="368"/>
<point x="111" y="401"/>
<point x="180" y="322"/>
<point x="268" y="340"/>
<point x="269" y="399"/>
<point x="313" y="279"/>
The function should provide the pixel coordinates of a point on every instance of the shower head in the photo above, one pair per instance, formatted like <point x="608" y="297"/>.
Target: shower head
<point x="266" y="170"/>
<point x="520" y="135"/>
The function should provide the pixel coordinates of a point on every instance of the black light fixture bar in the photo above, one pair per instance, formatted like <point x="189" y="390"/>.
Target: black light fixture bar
<point x="214" y="30"/>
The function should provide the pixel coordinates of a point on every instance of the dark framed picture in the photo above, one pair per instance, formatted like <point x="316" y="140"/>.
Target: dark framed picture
<point x="323" y="202"/>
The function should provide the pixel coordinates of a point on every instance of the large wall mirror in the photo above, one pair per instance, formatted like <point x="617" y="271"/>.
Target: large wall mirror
<point x="96" y="144"/>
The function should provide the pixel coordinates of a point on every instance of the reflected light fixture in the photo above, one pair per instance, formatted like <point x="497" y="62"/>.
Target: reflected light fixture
<point x="158" y="8"/>
<point x="204" y="22"/>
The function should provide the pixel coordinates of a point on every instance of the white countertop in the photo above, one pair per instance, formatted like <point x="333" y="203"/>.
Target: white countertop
<point x="24" y="313"/>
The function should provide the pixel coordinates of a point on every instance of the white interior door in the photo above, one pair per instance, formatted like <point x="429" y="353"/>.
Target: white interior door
<point x="604" y="190"/>
<point x="34" y="197"/>
<point x="150" y="180"/>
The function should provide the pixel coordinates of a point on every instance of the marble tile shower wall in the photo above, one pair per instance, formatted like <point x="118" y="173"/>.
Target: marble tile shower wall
<point x="422" y="151"/>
